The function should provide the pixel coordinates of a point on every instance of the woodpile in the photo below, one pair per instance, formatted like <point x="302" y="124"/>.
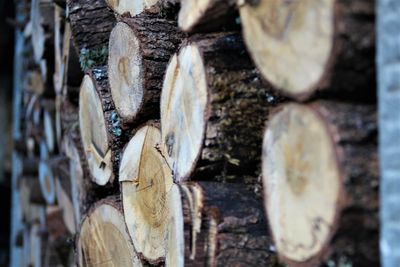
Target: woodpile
<point x="200" y="133"/>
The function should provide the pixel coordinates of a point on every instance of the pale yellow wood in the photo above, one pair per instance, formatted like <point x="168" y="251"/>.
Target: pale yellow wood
<point x="125" y="71"/>
<point x="301" y="182"/>
<point x="183" y="110"/>
<point x="148" y="194"/>
<point x="290" y="41"/>
<point x="131" y="7"/>
<point x="104" y="241"/>
<point x="190" y="12"/>
<point x="94" y="133"/>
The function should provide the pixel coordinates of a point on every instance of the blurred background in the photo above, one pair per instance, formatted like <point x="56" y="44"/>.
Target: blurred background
<point x="7" y="27"/>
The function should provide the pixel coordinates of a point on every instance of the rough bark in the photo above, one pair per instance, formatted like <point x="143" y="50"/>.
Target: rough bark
<point x="91" y="23"/>
<point x="334" y="55"/>
<point x="224" y="226"/>
<point x="325" y="151"/>
<point x="139" y="50"/>
<point x="210" y="96"/>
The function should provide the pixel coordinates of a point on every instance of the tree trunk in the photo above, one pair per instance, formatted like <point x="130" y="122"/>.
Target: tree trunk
<point x="148" y="194"/>
<point x="103" y="142"/>
<point x="91" y="23"/>
<point x="327" y="45"/>
<point x="103" y="237"/>
<point x="321" y="177"/>
<point x="224" y="225"/>
<point x="210" y="96"/>
<point x="139" y="51"/>
<point x="208" y="16"/>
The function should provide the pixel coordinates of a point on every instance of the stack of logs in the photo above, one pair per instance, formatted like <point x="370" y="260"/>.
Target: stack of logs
<point x="271" y="158"/>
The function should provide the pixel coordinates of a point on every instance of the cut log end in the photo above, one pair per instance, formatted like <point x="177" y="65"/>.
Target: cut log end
<point x="183" y="110"/>
<point x="125" y="71"/>
<point x="94" y="133"/>
<point x="300" y="32"/>
<point x="103" y="239"/>
<point x="147" y="193"/>
<point x="316" y="163"/>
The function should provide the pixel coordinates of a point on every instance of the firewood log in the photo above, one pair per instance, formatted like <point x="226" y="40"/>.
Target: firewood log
<point x="212" y="108"/>
<point x="148" y="194"/>
<point x="321" y="177"/>
<point x="304" y="46"/>
<point x="103" y="238"/>
<point x="99" y="127"/>
<point x="139" y="50"/>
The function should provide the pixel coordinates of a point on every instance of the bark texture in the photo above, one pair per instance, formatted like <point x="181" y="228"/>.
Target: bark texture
<point x="91" y="23"/>
<point x="224" y="225"/>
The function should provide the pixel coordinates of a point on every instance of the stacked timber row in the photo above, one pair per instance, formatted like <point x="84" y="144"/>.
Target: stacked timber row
<point x="320" y="165"/>
<point x="161" y="122"/>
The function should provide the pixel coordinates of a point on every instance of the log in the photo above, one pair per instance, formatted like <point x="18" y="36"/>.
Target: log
<point x="327" y="45"/>
<point x="224" y="225"/>
<point x="103" y="237"/>
<point x="148" y="194"/>
<point x="210" y="94"/>
<point x="91" y="23"/>
<point x="139" y="51"/>
<point x="47" y="183"/>
<point x="103" y="142"/>
<point x="64" y="200"/>
<point x="208" y="16"/>
<point x="321" y="177"/>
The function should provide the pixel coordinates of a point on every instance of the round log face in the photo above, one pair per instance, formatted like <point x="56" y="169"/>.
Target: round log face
<point x="302" y="183"/>
<point x="290" y="35"/>
<point x="125" y="71"/>
<point x="94" y="133"/>
<point x="147" y="192"/>
<point x="184" y="101"/>
<point x="103" y="239"/>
